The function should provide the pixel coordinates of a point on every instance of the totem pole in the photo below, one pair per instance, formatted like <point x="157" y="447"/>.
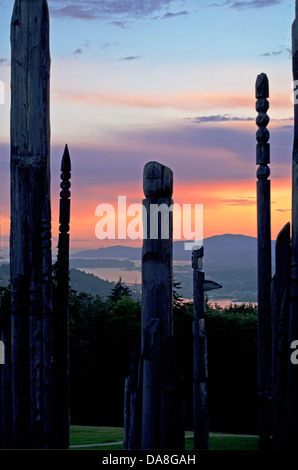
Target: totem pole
<point x="200" y="369"/>
<point x="61" y="321"/>
<point x="291" y="434"/>
<point x="30" y="189"/>
<point x="200" y="410"/>
<point x="280" y="334"/>
<point x="35" y="388"/>
<point x="264" y="263"/>
<point x="162" y="414"/>
<point x="133" y="402"/>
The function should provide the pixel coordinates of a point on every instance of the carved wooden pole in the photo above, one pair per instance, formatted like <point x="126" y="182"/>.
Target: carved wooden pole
<point x="264" y="263"/>
<point x="200" y="410"/>
<point x="132" y="402"/>
<point x="49" y="384"/>
<point x="62" y="313"/>
<point x="292" y="383"/>
<point x="30" y="186"/>
<point x="280" y="325"/>
<point x="159" y="405"/>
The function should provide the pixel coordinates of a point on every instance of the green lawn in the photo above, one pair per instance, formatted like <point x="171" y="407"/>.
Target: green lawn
<point x="81" y="435"/>
<point x="94" y="435"/>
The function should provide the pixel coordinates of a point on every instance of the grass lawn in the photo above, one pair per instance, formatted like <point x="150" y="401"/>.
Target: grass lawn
<point x="80" y="435"/>
<point x="94" y="435"/>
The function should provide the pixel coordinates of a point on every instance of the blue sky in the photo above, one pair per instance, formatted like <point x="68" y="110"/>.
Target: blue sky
<point x="168" y="80"/>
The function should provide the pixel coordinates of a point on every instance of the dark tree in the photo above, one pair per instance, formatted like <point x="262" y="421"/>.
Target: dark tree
<point x="177" y="298"/>
<point x="119" y="291"/>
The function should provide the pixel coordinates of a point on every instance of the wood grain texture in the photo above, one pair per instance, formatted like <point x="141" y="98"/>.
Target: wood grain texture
<point x="30" y="187"/>
<point x="161" y="404"/>
<point x="133" y="402"/>
<point x="264" y="264"/>
<point x="280" y="332"/>
<point x="292" y="380"/>
<point x="200" y="373"/>
<point x="61" y="321"/>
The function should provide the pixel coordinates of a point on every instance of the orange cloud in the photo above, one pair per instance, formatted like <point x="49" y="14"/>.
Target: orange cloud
<point x="240" y="202"/>
<point x="228" y="207"/>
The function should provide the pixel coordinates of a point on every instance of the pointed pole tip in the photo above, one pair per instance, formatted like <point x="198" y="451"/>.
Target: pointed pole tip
<point x="65" y="162"/>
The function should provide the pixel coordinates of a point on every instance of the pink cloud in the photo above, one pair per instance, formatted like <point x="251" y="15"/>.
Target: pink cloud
<point x="186" y="101"/>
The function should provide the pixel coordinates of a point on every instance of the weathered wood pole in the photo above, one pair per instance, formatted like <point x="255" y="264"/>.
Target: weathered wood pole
<point x="200" y="410"/>
<point x="291" y="437"/>
<point x="30" y="186"/>
<point x="49" y="385"/>
<point x="61" y="324"/>
<point x="280" y="333"/>
<point x="133" y="402"/>
<point x="264" y="263"/>
<point x="159" y="392"/>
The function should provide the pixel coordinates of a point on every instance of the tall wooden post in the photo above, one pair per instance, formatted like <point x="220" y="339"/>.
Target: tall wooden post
<point x="200" y="410"/>
<point x="132" y="402"/>
<point x="30" y="187"/>
<point x="279" y="284"/>
<point x="264" y="263"/>
<point x="292" y="382"/>
<point x="49" y="390"/>
<point x="161" y="414"/>
<point x="61" y="325"/>
<point x="280" y="333"/>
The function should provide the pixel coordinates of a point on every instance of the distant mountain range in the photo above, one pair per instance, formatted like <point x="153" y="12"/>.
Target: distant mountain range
<point x="230" y="260"/>
<point x="220" y="252"/>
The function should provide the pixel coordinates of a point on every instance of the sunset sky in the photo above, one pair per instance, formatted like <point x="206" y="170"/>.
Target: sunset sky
<point x="165" y="80"/>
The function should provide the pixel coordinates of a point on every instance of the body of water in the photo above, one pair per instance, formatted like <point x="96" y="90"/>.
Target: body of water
<point x="128" y="276"/>
<point x="134" y="277"/>
<point x="113" y="274"/>
<point x="227" y="302"/>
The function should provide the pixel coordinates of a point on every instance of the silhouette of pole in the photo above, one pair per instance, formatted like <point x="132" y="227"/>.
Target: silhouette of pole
<point x="48" y="377"/>
<point x="62" y="310"/>
<point x="132" y="402"/>
<point x="200" y="410"/>
<point x="292" y="382"/>
<point x="264" y="263"/>
<point x="30" y="187"/>
<point x="161" y="400"/>
<point x="280" y="327"/>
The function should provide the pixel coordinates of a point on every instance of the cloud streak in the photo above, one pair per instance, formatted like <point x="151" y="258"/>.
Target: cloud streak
<point x="219" y="118"/>
<point x="253" y="4"/>
<point x="282" y="50"/>
<point x="170" y="15"/>
<point x="130" y="58"/>
<point x="247" y="4"/>
<point x="93" y="9"/>
<point x="282" y="210"/>
<point x="240" y="202"/>
<point x="191" y="101"/>
<point x="4" y="61"/>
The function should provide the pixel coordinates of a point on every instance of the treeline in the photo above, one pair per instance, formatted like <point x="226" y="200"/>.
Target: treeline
<point x="103" y="332"/>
